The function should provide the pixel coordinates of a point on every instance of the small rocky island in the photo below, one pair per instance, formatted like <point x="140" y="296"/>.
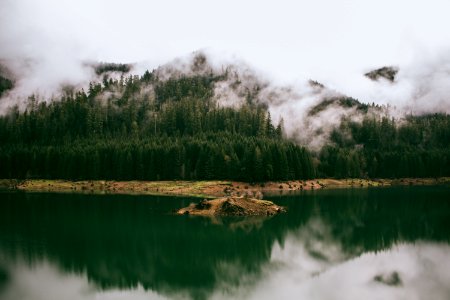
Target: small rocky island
<point x="232" y="206"/>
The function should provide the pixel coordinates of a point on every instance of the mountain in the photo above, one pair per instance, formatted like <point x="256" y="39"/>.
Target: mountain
<point x="388" y="73"/>
<point x="193" y="120"/>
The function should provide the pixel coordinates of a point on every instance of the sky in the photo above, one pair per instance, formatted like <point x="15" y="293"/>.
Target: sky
<point x="331" y="41"/>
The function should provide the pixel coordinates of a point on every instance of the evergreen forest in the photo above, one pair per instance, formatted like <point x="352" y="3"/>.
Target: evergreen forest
<point x="148" y="128"/>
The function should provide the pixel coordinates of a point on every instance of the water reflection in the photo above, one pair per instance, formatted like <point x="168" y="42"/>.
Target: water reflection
<point x="423" y="272"/>
<point x="128" y="247"/>
<point x="44" y="281"/>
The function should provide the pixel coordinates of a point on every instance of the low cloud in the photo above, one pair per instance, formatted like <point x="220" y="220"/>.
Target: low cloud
<point x="50" y="44"/>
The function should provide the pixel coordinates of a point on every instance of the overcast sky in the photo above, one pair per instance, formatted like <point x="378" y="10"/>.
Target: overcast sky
<point x="327" y="40"/>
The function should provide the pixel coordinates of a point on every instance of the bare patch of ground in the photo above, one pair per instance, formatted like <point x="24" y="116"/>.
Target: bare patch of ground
<point x="205" y="189"/>
<point x="232" y="206"/>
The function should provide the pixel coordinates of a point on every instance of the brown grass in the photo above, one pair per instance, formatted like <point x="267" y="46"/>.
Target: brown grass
<point x="204" y="189"/>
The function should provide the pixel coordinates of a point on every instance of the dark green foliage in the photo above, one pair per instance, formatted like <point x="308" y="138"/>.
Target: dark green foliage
<point x="5" y="85"/>
<point x="205" y="156"/>
<point x="146" y="128"/>
<point x="176" y="89"/>
<point x="387" y="73"/>
<point x="346" y="102"/>
<point x="111" y="67"/>
<point x="177" y="132"/>
<point x="418" y="146"/>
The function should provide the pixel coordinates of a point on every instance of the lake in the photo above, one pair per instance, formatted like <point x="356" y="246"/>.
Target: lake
<point x="380" y="243"/>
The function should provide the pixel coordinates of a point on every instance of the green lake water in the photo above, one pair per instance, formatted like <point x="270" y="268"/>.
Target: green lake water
<point x="385" y="243"/>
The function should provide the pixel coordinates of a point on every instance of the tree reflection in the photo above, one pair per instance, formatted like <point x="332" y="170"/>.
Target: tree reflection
<point x="130" y="241"/>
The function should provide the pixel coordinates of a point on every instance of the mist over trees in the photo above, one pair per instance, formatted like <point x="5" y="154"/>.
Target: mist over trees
<point x="174" y="132"/>
<point x="5" y="84"/>
<point x="151" y="128"/>
<point x="111" y="67"/>
<point x="380" y="148"/>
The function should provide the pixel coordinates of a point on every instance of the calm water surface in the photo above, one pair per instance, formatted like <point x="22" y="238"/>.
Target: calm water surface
<point x="387" y="243"/>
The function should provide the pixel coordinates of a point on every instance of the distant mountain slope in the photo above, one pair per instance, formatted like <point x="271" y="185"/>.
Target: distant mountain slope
<point x="6" y="81"/>
<point x="387" y="73"/>
<point x="193" y="120"/>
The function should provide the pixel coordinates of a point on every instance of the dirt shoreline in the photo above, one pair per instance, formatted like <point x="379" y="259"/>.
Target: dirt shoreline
<point x="204" y="189"/>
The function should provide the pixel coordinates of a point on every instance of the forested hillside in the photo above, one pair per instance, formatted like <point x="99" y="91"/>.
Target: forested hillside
<point x="417" y="146"/>
<point x="116" y="130"/>
<point x="161" y="127"/>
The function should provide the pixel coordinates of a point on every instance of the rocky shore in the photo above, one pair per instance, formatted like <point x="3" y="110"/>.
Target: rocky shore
<point x="232" y="206"/>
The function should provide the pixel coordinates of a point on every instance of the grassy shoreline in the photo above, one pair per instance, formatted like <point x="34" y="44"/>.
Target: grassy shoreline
<point x="203" y="189"/>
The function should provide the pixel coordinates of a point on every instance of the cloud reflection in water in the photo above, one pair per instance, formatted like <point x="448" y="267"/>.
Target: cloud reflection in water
<point x="423" y="268"/>
<point x="293" y="273"/>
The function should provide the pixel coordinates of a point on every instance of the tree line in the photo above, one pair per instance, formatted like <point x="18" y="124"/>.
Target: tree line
<point x="207" y="156"/>
<point x="174" y="131"/>
<point x="145" y="127"/>
<point x="418" y="146"/>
